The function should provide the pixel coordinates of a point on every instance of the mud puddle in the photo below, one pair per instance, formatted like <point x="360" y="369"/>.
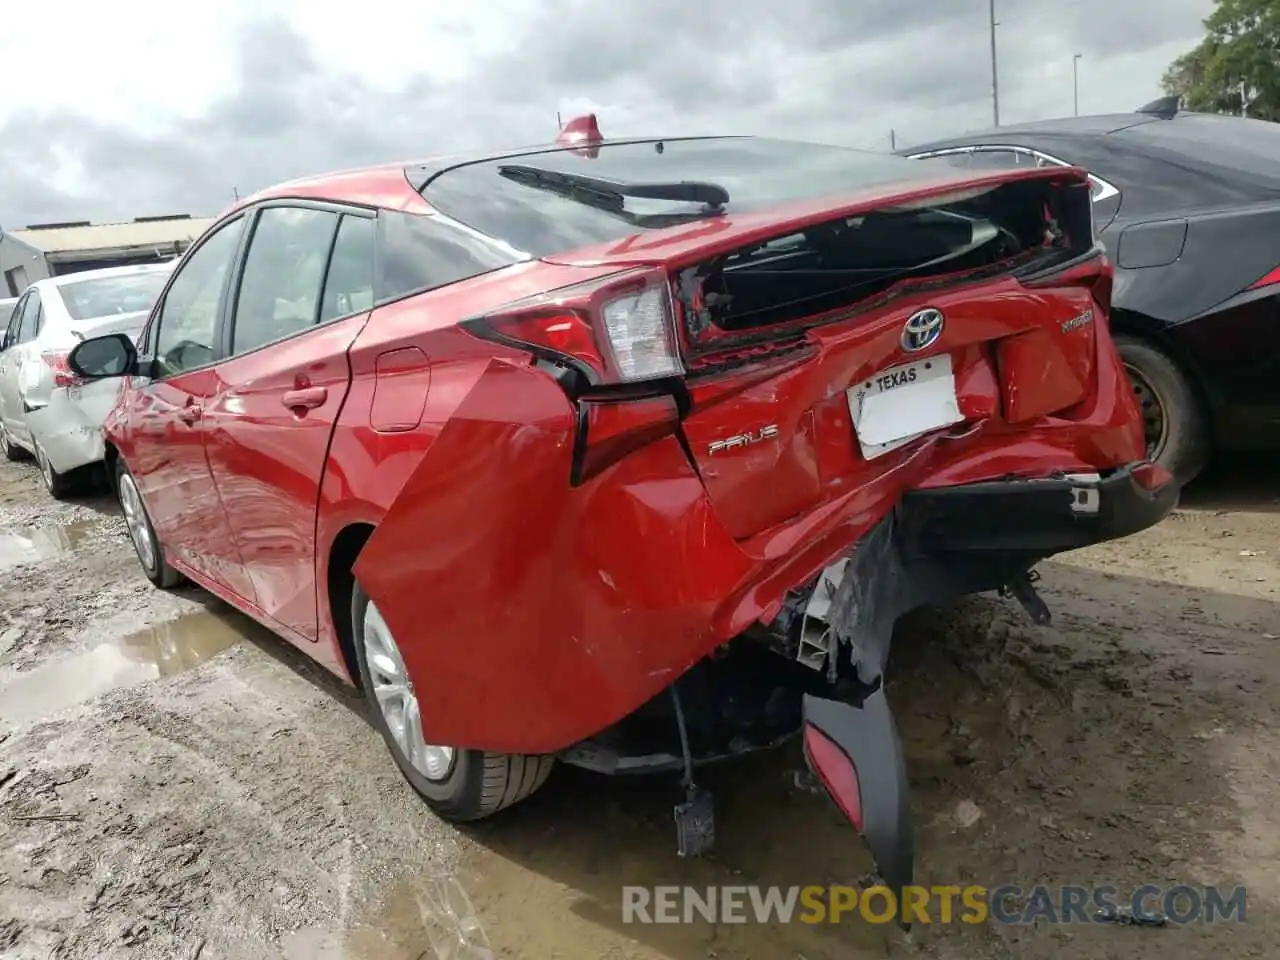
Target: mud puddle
<point x="42" y="543"/>
<point x="157" y="651"/>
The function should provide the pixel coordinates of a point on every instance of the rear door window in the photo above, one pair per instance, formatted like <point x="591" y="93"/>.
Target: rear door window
<point x="348" y="286"/>
<point x="31" y="315"/>
<point x="14" y="325"/>
<point x="283" y="276"/>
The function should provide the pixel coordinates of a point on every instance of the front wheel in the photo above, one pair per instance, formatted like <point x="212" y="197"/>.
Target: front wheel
<point x="1174" y="422"/>
<point x="142" y="533"/>
<point x="457" y="784"/>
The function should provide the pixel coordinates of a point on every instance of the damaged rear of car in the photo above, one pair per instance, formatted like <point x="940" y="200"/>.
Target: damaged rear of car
<point x="778" y="395"/>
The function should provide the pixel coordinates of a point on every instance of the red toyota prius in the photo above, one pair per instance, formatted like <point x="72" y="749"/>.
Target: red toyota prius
<point x="629" y="453"/>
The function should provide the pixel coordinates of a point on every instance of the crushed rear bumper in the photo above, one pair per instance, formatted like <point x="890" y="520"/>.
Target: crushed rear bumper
<point x="930" y="550"/>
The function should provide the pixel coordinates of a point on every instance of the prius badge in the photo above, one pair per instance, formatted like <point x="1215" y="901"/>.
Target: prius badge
<point x="743" y="439"/>
<point x="922" y="329"/>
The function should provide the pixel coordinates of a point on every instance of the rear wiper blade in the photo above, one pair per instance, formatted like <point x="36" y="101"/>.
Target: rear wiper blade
<point x="712" y="195"/>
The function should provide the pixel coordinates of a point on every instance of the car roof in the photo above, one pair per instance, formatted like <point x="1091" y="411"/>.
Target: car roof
<point x="396" y="185"/>
<point x="1100" y="125"/>
<point x="104" y="272"/>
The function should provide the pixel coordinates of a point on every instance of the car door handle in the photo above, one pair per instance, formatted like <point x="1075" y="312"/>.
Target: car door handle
<point x="308" y="398"/>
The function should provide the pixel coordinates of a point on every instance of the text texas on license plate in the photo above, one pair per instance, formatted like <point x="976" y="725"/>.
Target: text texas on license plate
<point x="897" y="405"/>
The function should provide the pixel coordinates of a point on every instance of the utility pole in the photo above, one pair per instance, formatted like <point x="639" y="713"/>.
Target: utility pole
<point x="1075" y="82"/>
<point x="995" y="79"/>
<point x="558" y="123"/>
<point x="235" y="192"/>
<point x="893" y="140"/>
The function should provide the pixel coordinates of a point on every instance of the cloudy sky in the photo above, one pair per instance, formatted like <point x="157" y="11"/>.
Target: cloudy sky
<point x="142" y="107"/>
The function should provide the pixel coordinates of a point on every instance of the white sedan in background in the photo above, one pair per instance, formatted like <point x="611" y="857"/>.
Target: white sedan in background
<point x="45" y="410"/>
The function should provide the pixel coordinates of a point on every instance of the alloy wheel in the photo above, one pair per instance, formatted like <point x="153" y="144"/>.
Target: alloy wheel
<point x="398" y="700"/>
<point x="1155" y="422"/>
<point x="46" y="468"/>
<point x="135" y="519"/>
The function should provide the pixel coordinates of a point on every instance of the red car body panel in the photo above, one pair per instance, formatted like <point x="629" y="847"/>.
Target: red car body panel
<point x="532" y="613"/>
<point x="560" y="610"/>
<point x="267" y="431"/>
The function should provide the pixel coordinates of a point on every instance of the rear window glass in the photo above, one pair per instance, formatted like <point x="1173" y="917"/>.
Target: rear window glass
<point x="756" y="173"/>
<point x="109" y="296"/>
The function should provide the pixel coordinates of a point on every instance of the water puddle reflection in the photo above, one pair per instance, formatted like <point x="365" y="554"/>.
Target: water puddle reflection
<point x="41" y="543"/>
<point x="431" y="919"/>
<point x="157" y="651"/>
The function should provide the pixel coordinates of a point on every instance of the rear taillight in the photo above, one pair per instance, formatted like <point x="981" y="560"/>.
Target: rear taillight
<point x="616" y="330"/>
<point x="618" y="334"/>
<point x="837" y="773"/>
<point x="62" y="375"/>
<point x="1271" y="279"/>
<point x="610" y="429"/>
<point x="1097" y="274"/>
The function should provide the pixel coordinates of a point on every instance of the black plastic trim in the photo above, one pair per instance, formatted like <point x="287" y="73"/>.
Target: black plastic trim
<point x="1028" y="515"/>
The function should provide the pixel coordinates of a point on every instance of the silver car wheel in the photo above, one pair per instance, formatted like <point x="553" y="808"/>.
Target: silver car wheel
<point x="46" y="468"/>
<point x="135" y="519"/>
<point x="398" y="701"/>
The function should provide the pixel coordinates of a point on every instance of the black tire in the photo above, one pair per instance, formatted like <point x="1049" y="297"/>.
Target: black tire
<point x="1183" y="444"/>
<point x="10" y="450"/>
<point x="478" y="784"/>
<point x="60" y="485"/>
<point x="157" y="569"/>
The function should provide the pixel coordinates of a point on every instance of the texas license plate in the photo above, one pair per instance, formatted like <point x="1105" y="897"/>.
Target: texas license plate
<point x="900" y="404"/>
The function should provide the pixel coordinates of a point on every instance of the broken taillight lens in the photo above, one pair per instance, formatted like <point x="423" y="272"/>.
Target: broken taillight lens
<point x="62" y="375"/>
<point x="616" y="330"/>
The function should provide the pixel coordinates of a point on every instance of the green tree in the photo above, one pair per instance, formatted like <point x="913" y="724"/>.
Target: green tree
<point x="1236" y="67"/>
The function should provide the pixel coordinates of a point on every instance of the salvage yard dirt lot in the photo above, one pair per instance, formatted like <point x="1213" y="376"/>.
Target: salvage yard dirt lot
<point x="175" y="783"/>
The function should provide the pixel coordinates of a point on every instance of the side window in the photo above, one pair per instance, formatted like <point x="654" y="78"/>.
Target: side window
<point x="188" y="320"/>
<point x="30" y="318"/>
<point x="424" y="252"/>
<point x="348" y="288"/>
<point x="280" y="287"/>
<point x="15" y="323"/>
<point x="998" y="160"/>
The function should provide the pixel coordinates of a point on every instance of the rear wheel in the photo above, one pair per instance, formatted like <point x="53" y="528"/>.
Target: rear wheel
<point x="59" y="485"/>
<point x="457" y="784"/>
<point x="10" y="450"/>
<point x="142" y="533"/>
<point x="1174" y="422"/>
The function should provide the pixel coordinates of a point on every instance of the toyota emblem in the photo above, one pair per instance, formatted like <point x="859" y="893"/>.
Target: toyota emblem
<point x="922" y="329"/>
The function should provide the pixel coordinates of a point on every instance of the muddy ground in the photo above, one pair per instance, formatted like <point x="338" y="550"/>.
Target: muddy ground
<point x="174" y="782"/>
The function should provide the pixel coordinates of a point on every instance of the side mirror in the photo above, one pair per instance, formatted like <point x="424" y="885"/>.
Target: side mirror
<point x="98" y="357"/>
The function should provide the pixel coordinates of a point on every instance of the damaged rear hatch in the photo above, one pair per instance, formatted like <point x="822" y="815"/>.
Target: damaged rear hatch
<point x="792" y="269"/>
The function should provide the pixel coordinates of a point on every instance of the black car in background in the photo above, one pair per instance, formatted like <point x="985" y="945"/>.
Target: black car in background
<point x="1189" y="207"/>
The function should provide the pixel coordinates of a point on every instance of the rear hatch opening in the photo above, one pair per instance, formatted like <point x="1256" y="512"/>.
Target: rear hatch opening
<point x="838" y="268"/>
